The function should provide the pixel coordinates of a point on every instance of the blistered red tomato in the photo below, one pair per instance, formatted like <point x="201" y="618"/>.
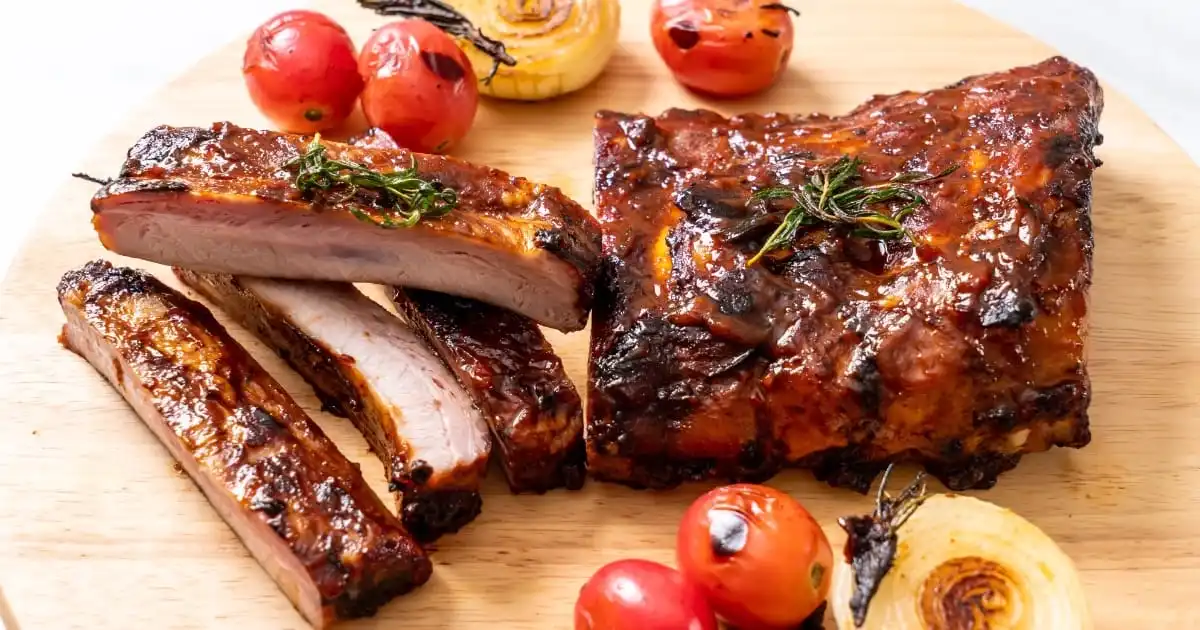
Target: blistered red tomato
<point x="640" y="594"/>
<point x="758" y="556"/>
<point x="723" y="47"/>
<point x="421" y="88"/>
<point x="301" y="69"/>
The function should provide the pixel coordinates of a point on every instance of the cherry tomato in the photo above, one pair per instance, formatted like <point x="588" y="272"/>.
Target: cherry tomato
<point x="629" y="594"/>
<point x="374" y="138"/>
<point x="302" y="72"/>
<point x="758" y="556"/>
<point x="723" y="47"/>
<point x="421" y="89"/>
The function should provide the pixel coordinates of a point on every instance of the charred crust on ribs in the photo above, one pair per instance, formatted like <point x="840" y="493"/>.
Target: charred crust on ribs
<point x="527" y="231"/>
<point x="510" y="370"/>
<point x="126" y="186"/>
<point x="430" y="511"/>
<point x="444" y="495"/>
<point x="246" y="442"/>
<point x="431" y="515"/>
<point x="960" y="350"/>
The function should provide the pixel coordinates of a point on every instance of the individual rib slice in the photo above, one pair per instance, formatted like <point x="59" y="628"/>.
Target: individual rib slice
<point x="299" y="506"/>
<point x="508" y="367"/>
<point x="222" y="200"/>
<point x="367" y="365"/>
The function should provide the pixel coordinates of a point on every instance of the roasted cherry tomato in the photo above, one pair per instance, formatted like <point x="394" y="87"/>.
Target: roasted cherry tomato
<point x="302" y="71"/>
<point x="640" y="594"/>
<point x="374" y="138"/>
<point x="723" y="47"/>
<point x="758" y="556"/>
<point x="421" y="88"/>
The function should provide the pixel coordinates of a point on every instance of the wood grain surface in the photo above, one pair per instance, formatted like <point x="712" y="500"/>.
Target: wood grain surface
<point x="98" y="530"/>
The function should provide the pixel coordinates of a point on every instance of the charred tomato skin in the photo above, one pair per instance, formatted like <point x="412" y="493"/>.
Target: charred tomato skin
<point x="641" y="594"/>
<point x="301" y="70"/>
<point x="723" y="48"/>
<point x="421" y="88"/>
<point x="760" y="559"/>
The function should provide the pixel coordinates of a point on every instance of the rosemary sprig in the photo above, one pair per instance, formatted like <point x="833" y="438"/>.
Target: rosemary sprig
<point x="834" y="195"/>
<point x="450" y="20"/>
<point x="103" y="181"/>
<point x="872" y="542"/>
<point x="405" y="197"/>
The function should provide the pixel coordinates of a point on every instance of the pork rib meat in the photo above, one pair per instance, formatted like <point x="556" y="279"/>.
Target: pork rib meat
<point x="223" y="200"/>
<point x="367" y="365"/>
<point x="300" y="507"/>
<point x="960" y="350"/>
<point x="506" y="364"/>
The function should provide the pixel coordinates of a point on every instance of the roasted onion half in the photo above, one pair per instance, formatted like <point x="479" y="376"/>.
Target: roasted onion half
<point x="559" y="45"/>
<point x="953" y="562"/>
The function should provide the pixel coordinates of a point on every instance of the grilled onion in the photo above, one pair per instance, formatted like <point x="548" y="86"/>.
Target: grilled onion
<point x="559" y="45"/>
<point x="958" y="563"/>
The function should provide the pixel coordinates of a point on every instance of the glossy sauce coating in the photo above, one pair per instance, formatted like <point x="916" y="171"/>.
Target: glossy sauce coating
<point x="959" y="352"/>
<point x="495" y="211"/>
<point x="515" y="378"/>
<point x="249" y="439"/>
<point x="431" y="503"/>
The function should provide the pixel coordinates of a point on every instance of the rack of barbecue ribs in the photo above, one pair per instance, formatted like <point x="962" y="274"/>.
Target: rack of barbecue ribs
<point x="367" y="365"/>
<point x="223" y="200"/>
<point x="507" y="366"/>
<point x="959" y="347"/>
<point x="301" y="508"/>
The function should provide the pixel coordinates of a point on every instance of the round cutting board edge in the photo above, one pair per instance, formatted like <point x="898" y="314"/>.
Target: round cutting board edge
<point x="104" y="534"/>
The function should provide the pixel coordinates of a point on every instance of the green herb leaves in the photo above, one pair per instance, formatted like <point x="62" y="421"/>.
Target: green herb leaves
<point x="834" y="195"/>
<point x="404" y="197"/>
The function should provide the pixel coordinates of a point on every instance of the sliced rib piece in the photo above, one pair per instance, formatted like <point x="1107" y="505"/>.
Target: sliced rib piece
<point x="367" y="365"/>
<point x="220" y="200"/>
<point x="511" y="372"/>
<point x="843" y="353"/>
<point x="299" y="506"/>
<point x="505" y="363"/>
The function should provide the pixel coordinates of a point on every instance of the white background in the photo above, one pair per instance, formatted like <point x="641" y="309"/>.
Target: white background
<point x="73" y="68"/>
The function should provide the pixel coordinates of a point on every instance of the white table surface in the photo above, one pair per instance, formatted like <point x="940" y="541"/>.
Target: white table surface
<point x="73" y="68"/>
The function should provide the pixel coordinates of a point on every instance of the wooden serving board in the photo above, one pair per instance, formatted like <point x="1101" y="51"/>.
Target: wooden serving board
<point x="98" y="530"/>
